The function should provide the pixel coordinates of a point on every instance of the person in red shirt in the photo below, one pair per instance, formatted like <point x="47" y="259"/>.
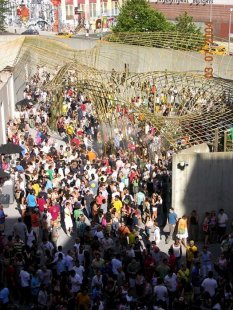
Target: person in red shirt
<point x="70" y="92"/>
<point x="75" y="142"/>
<point x="54" y="210"/>
<point x="35" y="219"/>
<point x="83" y="107"/>
<point x="172" y="260"/>
<point x="132" y="175"/>
<point x="41" y="202"/>
<point x="99" y="199"/>
<point x="149" y="265"/>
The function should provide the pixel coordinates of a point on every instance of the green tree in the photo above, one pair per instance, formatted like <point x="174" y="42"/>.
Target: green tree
<point x="138" y="16"/>
<point x="3" y="11"/>
<point x="185" y="24"/>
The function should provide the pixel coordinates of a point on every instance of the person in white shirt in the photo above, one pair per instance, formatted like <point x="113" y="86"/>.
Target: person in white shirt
<point x="69" y="261"/>
<point x="79" y="269"/>
<point x="42" y="298"/>
<point x="99" y="233"/>
<point x="107" y="242"/>
<point x="161" y="292"/>
<point x="222" y="223"/>
<point x="130" y="252"/>
<point x="75" y="281"/>
<point x="156" y="233"/>
<point x="170" y="281"/>
<point x="116" y="264"/>
<point x="97" y="280"/>
<point x="209" y="284"/>
<point x="24" y="277"/>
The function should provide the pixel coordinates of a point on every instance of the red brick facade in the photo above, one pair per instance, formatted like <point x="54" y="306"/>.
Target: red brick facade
<point x="200" y="13"/>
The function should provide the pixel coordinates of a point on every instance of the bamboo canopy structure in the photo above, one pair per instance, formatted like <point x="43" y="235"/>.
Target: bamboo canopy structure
<point x="195" y="117"/>
<point x="200" y="107"/>
<point x="171" y="40"/>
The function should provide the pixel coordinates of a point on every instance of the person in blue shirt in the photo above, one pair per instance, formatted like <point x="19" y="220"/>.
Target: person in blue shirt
<point x="31" y="200"/>
<point x="24" y="150"/>
<point x="4" y="296"/>
<point x="172" y="219"/>
<point x="19" y="167"/>
<point x="49" y="184"/>
<point x="35" y="286"/>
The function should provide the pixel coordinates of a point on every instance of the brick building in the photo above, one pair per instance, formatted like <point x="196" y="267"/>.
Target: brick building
<point x="202" y="11"/>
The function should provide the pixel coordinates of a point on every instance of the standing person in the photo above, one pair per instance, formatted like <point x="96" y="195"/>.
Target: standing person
<point x="160" y="294"/>
<point x="154" y="206"/>
<point x="35" y="218"/>
<point x="24" y="277"/>
<point x="31" y="200"/>
<point x="156" y="233"/>
<point x="172" y="219"/>
<point x="206" y="228"/>
<point x="4" y="296"/>
<point x="177" y="250"/>
<point x="30" y="237"/>
<point x="42" y="298"/>
<point x="2" y="219"/>
<point x="182" y="230"/>
<point x="210" y="285"/>
<point x="68" y="219"/>
<point x="20" y="229"/>
<point x="148" y="226"/>
<point x="222" y="223"/>
<point x="170" y="281"/>
<point x="193" y="226"/>
<point x="54" y="210"/>
<point x="191" y="249"/>
<point x="213" y="227"/>
<point x="205" y="258"/>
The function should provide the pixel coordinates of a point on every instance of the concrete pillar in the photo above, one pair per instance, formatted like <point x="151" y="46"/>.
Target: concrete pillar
<point x="11" y="92"/>
<point x="2" y="124"/>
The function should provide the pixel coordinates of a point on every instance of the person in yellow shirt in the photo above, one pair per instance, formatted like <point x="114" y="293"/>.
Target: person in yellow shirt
<point x="183" y="274"/>
<point x="191" y="249"/>
<point x="64" y="108"/>
<point x="70" y="130"/>
<point x="131" y="236"/>
<point x="36" y="187"/>
<point x="117" y="204"/>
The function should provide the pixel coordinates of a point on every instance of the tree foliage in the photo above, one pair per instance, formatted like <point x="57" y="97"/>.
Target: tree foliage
<point x="138" y="16"/>
<point x="3" y="11"/>
<point x="185" y="24"/>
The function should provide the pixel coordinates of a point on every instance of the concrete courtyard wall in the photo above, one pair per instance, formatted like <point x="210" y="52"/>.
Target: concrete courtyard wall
<point x="205" y="184"/>
<point x="146" y="59"/>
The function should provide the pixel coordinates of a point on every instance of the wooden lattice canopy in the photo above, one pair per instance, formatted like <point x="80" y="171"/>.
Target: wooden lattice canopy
<point x="201" y="105"/>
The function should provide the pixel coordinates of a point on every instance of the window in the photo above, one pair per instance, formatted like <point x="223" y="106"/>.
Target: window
<point x="104" y="7"/>
<point x="92" y="9"/>
<point x="82" y="7"/>
<point x="115" y="10"/>
<point x="69" y="11"/>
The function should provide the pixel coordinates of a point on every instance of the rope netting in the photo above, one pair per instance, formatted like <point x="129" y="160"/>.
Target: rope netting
<point x="185" y="108"/>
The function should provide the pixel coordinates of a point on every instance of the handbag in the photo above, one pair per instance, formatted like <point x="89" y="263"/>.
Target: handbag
<point x="166" y="228"/>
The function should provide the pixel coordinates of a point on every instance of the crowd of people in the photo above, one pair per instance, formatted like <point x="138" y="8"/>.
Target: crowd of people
<point x="114" y="206"/>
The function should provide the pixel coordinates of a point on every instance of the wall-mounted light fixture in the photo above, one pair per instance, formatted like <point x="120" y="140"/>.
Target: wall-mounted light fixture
<point x="181" y="165"/>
